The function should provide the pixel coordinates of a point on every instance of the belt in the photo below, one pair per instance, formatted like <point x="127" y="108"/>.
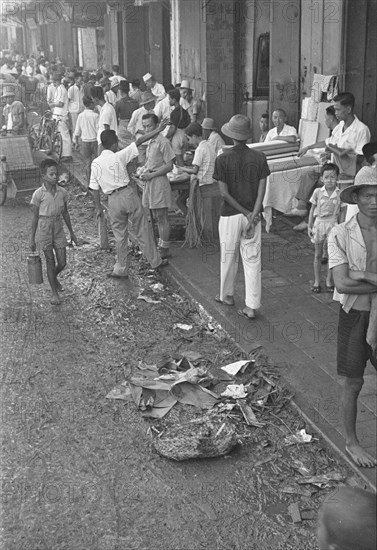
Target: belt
<point x="51" y="217"/>
<point x="118" y="189"/>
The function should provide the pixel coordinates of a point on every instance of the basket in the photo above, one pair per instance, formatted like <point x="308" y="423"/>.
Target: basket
<point x="196" y="439"/>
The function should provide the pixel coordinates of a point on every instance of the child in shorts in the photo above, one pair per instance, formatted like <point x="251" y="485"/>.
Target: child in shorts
<point x="347" y="520"/>
<point x="49" y="204"/>
<point x="326" y="212"/>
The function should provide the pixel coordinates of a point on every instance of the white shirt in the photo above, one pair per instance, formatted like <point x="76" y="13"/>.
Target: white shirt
<point x="216" y="141"/>
<point x="136" y="123"/>
<point x="205" y="157"/>
<point x="109" y="170"/>
<point x="74" y="99"/>
<point x="106" y="116"/>
<point x="111" y="97"/>
<point x="51" y="90"/>
<point x="354" y="137"/>
<point x="286" y="131"/>
<point x="158" y="90"/>
<point x="163" y="110"/>
<point x="87" y="125"/>
<point x="61" y="96"/>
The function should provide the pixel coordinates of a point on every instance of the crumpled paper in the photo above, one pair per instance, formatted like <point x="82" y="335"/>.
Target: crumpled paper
<point x="236" y="391"/>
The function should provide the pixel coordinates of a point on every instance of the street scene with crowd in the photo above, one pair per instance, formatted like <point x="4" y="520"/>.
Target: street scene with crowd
<point x="137" y="416"/>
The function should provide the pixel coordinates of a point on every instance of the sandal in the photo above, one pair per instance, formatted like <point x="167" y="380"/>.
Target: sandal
<point x="316" y="289"/>
<point x="242" y="313"/>
<point x="330" y="288"/>
<point x="224" y="302"/>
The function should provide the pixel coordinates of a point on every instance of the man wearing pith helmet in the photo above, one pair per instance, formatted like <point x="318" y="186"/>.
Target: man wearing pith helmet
<point x="242" y="176"/>
<point x="353" y="261"/>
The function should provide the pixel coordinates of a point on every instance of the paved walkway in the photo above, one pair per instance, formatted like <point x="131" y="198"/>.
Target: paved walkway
<point x="297" y="328"/>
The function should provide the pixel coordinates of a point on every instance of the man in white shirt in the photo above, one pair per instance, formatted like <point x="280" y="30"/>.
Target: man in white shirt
<point x="60" y="112"/>
<point x="73" y="103"/>
<point x="107" y="116"/>
<point x="109" y="173"/>
<point x="282" y="131"/>
<point x="211" y="135"/>
<point x="163" y="108"/>
<point x="156" y="88"/>
<point x="135" y="126"/>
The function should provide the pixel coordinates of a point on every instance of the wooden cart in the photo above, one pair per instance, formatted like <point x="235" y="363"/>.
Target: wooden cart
<point x="18" y="171"/>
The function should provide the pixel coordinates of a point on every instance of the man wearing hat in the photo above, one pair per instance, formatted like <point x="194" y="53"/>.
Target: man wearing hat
<point x="111" y="95"/>
<point x="156" y="88"/>
<point x="211" y="135"/>
<point x="135" y="126"/>
<point x="353" y="261"/>
<point x="188" y="102"/>
<point x="13" y="113"/>
<point x="242" y="175"/>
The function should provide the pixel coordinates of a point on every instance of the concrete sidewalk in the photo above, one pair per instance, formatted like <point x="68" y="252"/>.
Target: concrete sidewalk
<point x="297" y="328"/>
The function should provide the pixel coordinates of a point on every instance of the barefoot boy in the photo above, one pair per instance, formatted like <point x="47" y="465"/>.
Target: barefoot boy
<point x="49" y="204"/>
<point x="353" y="261"/>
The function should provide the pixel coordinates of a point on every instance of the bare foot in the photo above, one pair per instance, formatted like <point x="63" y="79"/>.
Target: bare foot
<point x="59" y="287"/>
<point x="55" y="300"/>
<point x="360" y="456"/>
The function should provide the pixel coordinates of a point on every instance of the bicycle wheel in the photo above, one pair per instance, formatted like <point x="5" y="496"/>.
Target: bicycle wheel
<point x="57" y="146"/>
<point x="3" y="193"/>
<point x="45" y="144"/>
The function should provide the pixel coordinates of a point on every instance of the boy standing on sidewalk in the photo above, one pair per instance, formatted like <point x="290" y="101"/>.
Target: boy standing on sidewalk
<point x="353" y="261"/>
<point x="86" y="129"/>
<point x="242" y="175"/>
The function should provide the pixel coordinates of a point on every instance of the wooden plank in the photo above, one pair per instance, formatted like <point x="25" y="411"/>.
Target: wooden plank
<point x="306" y="46"/>
<point x="355" y="51"/>
<point x="370" y="74"/>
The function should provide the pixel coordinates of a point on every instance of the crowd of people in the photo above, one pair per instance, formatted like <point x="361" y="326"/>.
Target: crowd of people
<point x="141" y="128"/>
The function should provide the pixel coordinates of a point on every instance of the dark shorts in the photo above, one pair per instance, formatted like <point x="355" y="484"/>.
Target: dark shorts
<point x="353" y="350"/>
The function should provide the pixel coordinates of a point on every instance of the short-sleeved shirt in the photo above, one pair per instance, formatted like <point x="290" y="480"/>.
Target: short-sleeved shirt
<point x="159" y="152"/>
<point x="216" y="141"/>
<point x="13" y="114"/>
<point x="125" y="107"/>
<point x="194" y="108"/>
<point x="354" y="137"/>
<point x="61" y="96"/>
<point x="109" y="170"/>
<point x="106" y="116"/>
<point x="326" y="206"/>
<point x="74" y="99"/>
<point x="135" y="125"/>
<point x="286" y="131"/>
<point x="163" y="110"/>
<point x="346" y="245"/>
<point x="49" y="204"/>
<point x="241" y="169"/>
<point x="180" y="118"/>
<point x="204" y="157"/>
<point x="158" y="90"/>
<point x="87" y="125"/>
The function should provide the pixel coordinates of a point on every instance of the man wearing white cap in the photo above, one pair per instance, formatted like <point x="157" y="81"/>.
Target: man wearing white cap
<point x="188" y="102"/>
<point x="353" y="261"/>
<point x="111" y="96"/>
<point x="156" y="88"/>
<point x="211" y="135"/>
<point x="242" y="176"/>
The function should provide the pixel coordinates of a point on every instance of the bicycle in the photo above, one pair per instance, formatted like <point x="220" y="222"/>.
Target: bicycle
<point x="45" y="135"/>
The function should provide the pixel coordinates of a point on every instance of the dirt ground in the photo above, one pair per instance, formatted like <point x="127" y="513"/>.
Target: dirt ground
<point x="79" y="471"/>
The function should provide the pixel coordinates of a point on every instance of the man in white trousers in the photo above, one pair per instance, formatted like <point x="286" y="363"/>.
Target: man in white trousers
<point x="242" y="175"/>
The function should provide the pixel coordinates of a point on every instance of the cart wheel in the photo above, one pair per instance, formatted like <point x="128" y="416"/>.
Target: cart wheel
<point x="45" y="143"/>
<point x="57" y="146"/>
<point x="3" y="193"/>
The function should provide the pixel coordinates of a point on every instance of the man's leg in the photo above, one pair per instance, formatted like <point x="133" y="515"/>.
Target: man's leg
<point x="64" y="131"/>
<point x="318" y="248"/>
<point x="163" y="225"/>
<point x="251" y="259"/>
<point x="51" y="270"/>
<point x="142" y="229"/>
<point x="230" y="228"/>
<point x="117" y="209"/>
<point x="87" y="158"/>
<point x="351" y="391"/>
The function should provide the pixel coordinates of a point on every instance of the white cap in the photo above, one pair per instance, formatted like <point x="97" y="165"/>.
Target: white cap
<point x="147" y="76"/>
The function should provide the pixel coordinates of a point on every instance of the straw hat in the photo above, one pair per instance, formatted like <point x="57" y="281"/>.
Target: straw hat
<point x="147" y="76"/>
<point x="237" y="128"/>
<point x="114" y="82"/>
<point x="185" y="85"/>
<point x="147" y="97"/>
<point x="208" y="124"/>
<point x="366" y="177"/>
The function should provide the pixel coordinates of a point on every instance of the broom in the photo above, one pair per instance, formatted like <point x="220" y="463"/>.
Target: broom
<point x="194" y="226"/>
